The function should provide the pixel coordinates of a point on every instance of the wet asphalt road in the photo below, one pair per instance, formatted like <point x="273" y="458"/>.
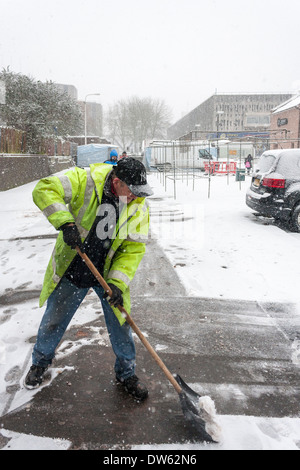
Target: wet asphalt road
<point x="245" y="355"/>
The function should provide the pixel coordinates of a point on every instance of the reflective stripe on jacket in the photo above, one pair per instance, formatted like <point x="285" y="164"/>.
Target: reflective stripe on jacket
<point x="74" y="197"/>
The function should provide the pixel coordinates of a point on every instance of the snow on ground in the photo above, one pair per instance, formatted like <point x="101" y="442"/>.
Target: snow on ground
<point x="17" y="441"/>
<point x="218" y="248"/>
<point x="222" y="250"/>
<point x="246" y="433"/>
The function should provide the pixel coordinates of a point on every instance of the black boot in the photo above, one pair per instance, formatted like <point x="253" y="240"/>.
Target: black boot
<point x="34" y="378"/>
<point x="134" y="387"/>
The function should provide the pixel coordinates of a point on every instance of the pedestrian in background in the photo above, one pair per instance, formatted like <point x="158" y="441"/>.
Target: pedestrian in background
<point x="113" y="158"/>
<point x="248" y="163"/>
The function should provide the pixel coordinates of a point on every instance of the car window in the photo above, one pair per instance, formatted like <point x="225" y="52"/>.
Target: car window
<point x="289" y="166"/>
<point x="265" y="163"/>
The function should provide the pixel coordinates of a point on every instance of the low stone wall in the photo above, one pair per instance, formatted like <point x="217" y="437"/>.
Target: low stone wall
<point x="16" y="170"/>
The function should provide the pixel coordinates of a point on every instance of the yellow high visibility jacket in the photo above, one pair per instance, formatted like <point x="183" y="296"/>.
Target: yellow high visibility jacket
<point x="74" y="197"/>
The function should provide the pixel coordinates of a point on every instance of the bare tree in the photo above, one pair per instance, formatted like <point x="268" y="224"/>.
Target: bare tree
<point x="132" y="121"/>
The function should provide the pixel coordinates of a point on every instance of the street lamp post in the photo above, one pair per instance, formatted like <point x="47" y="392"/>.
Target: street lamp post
<point x="85" y="121"/>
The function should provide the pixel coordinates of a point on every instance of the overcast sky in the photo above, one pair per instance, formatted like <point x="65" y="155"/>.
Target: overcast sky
<point x="180" y="51"/>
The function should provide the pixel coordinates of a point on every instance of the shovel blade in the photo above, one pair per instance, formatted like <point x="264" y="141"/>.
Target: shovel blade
<point x="189" y="401"/>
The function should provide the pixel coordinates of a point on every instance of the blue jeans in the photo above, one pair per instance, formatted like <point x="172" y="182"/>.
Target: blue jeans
<point x="61" y="307"/>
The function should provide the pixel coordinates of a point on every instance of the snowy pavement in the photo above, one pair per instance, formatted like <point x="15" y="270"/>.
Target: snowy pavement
<point x="221" y="253"/>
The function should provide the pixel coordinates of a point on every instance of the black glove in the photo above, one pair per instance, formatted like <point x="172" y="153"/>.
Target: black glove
<point x="71" y="236"/>
<point x="116" y="297"/>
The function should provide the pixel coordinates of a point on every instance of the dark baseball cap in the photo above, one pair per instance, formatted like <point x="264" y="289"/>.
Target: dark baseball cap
<point x="133" y="173"/>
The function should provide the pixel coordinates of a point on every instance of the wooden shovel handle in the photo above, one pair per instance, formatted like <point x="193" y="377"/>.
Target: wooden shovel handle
<point x="130" y="322"/>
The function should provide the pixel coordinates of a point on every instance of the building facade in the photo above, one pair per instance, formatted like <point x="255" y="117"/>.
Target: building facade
<point x="70" y="89"/>
<point x="94" y="112"/>
<point x="229" y="116"/>
<point x="94" y="118"/>
<point x="285" y="125"/>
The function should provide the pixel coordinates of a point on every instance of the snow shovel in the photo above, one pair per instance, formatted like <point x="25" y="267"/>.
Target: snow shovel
<point x="199" y="411"/>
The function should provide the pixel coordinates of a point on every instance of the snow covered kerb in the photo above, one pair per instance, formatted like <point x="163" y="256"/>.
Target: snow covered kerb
<point x="177" y="220"/>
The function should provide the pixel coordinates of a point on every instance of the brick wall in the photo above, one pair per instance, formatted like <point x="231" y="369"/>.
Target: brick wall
<point x="18" y="170"/>
<point x="285" y="136"/>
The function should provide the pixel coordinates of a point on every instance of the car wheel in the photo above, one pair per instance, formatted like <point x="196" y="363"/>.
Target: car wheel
<point x="295" y="220"/>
